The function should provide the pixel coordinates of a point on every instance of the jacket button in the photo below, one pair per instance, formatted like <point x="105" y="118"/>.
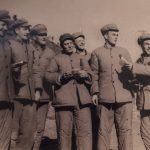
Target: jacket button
<point x="7" y="66"/>
<point x="5" y="56"/>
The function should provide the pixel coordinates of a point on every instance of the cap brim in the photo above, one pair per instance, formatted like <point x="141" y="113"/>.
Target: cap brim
<point x="79" y="36"/>
<point x="28" y="25"/>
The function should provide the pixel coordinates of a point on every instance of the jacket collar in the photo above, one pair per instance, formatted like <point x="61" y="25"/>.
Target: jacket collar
<point x="108" y="46"/>
<point x="84" y="52"/>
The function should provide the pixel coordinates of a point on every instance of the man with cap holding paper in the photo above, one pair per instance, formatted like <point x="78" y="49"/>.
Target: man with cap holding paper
<point x="43" y="55"/>
<point x="26" y="94"/>
<point x="6" y="84"/>
<point x="72" y="97"/>
<point x="111" y="91"/>
<point x="141" y="71"/>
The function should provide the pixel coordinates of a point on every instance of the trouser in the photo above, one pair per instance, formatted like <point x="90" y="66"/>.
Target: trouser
<point x="81" y="119"/>
<point x="5" y="124"/>
<point x="42" y="110"/>
<point x="121" y="115"/>
<point x="24" y="125"/>
<point x="145" y="128"/>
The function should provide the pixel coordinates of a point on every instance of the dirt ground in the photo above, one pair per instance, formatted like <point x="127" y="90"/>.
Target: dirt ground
<point x="137" y="141"/>
<point x="51" y="144"/>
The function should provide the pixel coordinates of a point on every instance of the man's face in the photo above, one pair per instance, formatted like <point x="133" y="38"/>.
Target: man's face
<point x="3" y="28"/>
<point x="146" y="47"/>
<point x="41" y="39"/>
<point x="111" y="37"/>
<point x="80" y="43"/>
<point x="68" y="46"/>
<point x="22" y="32"/>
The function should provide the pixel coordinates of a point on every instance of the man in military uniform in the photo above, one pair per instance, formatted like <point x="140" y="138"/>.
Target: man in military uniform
<point x="111" y="92"/>
<point x="6" y="84"/>
<point x="141" y="71"/>
<point x="24" y="120"/>
<point x="72" y="97"/>
<point x="43" y="57"/>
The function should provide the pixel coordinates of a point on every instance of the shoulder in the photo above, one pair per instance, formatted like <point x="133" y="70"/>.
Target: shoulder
<point x="121" y="49"/>
<point x="49" y="52"/>
<point x="14" y="43"/>
<point x="98" y="51"/>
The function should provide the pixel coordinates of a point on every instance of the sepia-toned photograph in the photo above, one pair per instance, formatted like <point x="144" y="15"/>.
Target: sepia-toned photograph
<point x="74" y="75"/>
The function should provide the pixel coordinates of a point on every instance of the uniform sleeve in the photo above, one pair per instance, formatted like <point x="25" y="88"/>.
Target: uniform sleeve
<point x="140" y="69"/>
<point x="127" y="56"/>
<point x="95" y="69"/>
<point x="87" y="67"/>
<point x="36" y="71"/>
<point x="51" y="73"/>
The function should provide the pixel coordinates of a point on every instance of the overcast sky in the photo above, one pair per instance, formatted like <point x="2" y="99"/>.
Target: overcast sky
<point x="88" y="16"/>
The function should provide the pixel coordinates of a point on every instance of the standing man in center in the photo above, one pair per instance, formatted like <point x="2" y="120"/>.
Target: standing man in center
<point x="43" y="57"/>
<point x="111" y="91"/>
<point x="72" y="97"/>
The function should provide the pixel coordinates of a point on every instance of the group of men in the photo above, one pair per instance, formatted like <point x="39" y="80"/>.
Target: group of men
<point x="32" y="73"/>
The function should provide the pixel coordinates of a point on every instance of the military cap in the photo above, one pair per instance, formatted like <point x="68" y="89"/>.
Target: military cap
<point x="109" y="27"/>
<point x="20" y="23"/>
<point x="78" y="34"/>
<point x="4" y="16"/>
<point x="142" y="38"/>
<point x="64" y="37"/>
<point x="39" y="29"/>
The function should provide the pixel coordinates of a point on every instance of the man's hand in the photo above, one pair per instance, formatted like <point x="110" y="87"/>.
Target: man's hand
<point x="83" y="74"/>
<point x="128" y="66"/>
<point x="125" y="63"/>
<point x="37" y="95"/>
<point x="95" y="99"/>
<point x="66" y="77"/>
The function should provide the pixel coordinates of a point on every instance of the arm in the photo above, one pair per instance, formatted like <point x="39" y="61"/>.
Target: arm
<point x="51" y="73"/>
<point x="140" y="69"/>
<point x="95" y="69"/>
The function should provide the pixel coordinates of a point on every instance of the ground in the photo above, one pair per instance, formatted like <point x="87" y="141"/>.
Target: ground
<point x="48" y="144"/>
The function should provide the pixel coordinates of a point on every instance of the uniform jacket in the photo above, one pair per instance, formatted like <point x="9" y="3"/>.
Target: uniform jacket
<point x="142" y="71"/>
<point x="23" y="74"/>
<point x="73" y="92"/>
<point x="110" y="78"/>
<point x="43" y="58"/>
<point x="6" y="83"/>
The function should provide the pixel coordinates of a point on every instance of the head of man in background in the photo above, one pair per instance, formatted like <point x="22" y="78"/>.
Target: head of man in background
<point x="21" y="29"/>
<point x="4" y="20"/>
<point x="67" y="43"/>
<point x="110" y="34"/>
<point x="39" y="34"/>
<point x="144" y="42"/>
<point x="79" y="40"/>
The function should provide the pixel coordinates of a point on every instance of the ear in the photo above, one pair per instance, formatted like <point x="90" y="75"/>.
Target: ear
<point x="106" y="36"/>
<point x="16" y="30"/>
<point x="34" y="37"/>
